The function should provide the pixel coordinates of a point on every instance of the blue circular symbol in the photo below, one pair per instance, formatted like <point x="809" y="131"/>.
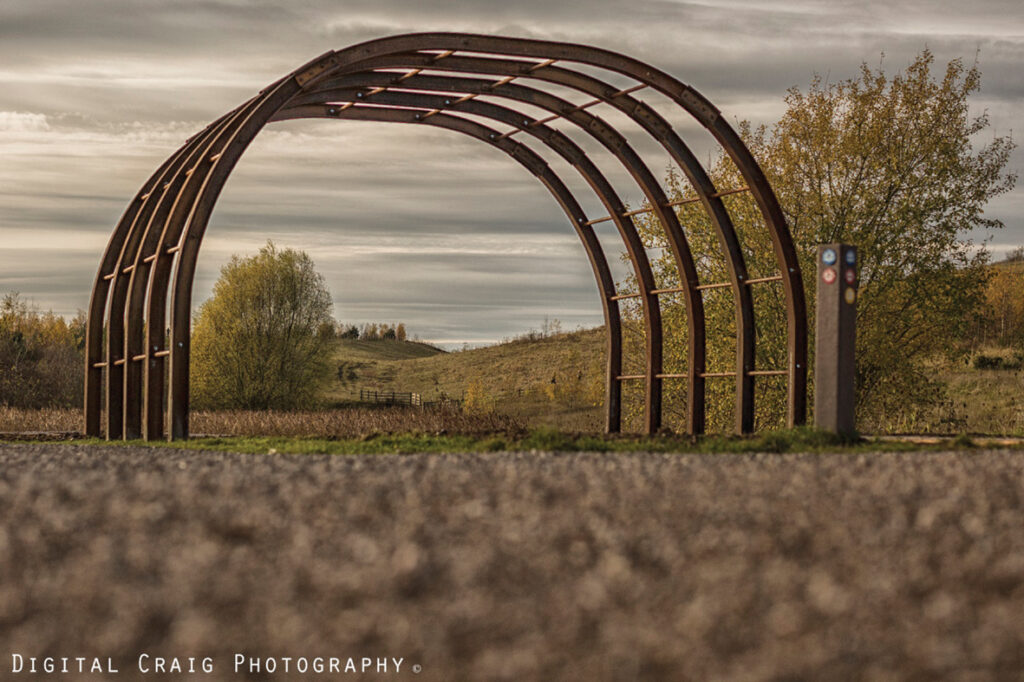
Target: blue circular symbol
<point x="851" y="257"/>
<point x="828" y="256"/>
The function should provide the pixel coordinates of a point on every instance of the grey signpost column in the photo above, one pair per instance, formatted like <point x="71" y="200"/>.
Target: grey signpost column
<point x="834" y="339"/>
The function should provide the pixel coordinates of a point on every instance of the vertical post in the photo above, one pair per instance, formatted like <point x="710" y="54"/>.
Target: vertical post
<point x="613" y="368"/>
<point x="154" y="391"/>
<point x="834" y="339"/>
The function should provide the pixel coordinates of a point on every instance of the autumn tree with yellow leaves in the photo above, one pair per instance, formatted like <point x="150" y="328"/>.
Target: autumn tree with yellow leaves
<point x="895" y="165"/>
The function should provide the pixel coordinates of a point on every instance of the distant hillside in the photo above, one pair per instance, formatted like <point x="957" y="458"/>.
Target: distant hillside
<point x="555" y="379"/>
<point x="1011" y="265"/>
<point x="359" y="350"/>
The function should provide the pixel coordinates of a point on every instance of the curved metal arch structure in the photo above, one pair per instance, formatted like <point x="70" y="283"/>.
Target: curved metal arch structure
<point x="467" y="84"/>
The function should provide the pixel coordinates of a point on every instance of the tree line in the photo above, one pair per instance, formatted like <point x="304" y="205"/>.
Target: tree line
<point x="41" y="356"/>
<point x="374" y="331"/>
<point x="1001" y="324"/>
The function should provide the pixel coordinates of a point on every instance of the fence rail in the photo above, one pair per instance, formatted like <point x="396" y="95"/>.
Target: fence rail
<point x="406" y="398"/>
<point x="390" y="397"/>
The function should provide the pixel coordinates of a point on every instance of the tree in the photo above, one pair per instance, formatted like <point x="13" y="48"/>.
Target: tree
<point x="258" y="341"/>
<point x="400" y="333"/>
<point x="1003" y="322"/>
<point x="41" y="356"/>
<point x="886" y="164"/>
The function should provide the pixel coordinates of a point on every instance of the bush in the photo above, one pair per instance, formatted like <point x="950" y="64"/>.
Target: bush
<point x="982" y="361"/>
<point x="262" y="340"/>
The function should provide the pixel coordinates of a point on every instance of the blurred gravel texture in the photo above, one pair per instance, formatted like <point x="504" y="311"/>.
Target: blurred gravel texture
<point x="520" y="566"/>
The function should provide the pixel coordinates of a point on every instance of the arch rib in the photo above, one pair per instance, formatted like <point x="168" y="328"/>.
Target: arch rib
<point x="95" y="358"/>
<point x="145" y="336"/>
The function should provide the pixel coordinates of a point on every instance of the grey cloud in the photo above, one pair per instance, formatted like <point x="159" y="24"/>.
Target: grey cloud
<point x="123" y="82"/>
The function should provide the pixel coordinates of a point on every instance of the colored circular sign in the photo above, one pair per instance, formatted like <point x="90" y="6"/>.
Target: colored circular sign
<point x="828" y="256"/>
<point x="851" y="257"/>
<point x="850" y="295"/>
<point x="850" y="275"/>
<point x="828" y="275"/>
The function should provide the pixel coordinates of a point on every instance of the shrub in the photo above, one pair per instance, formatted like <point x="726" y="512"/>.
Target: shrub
<point x="259" y="341"/>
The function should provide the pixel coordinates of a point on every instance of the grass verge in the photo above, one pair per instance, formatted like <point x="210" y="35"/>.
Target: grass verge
<point x="800" y="440"/>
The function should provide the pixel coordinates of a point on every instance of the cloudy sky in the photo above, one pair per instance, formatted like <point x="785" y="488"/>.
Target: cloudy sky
<point x="407" y="224"/>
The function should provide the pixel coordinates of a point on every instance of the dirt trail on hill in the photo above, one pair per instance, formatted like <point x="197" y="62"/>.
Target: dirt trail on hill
<point x="517" y="566"/>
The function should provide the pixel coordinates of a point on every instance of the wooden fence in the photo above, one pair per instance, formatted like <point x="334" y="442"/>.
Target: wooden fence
<point x="390" y="397"/>
<point x="405" y="398"/>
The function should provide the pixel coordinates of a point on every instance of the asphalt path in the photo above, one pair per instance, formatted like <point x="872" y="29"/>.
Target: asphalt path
<point x="511" y="566"/>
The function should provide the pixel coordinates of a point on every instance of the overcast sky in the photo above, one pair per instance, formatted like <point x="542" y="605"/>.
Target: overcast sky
<point x="407" y="224"/>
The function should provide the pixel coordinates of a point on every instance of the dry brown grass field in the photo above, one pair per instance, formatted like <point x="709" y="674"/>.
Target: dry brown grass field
<point x="350" y="422"/>
<point x="15" y="419"/>
<point x="515" y="378"/>
<point x="989" y="401"/>
<point x="554" y="380"/>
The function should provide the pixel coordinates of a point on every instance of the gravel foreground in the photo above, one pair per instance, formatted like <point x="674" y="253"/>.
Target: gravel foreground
<point x="515" y="566"/>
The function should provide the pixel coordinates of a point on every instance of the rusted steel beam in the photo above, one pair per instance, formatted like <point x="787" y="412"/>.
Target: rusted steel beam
<point x="670" y="204"/>
<point x="145" y="326"/>
<point x="117" y="405"/>
<point x="127" y="318"/>
<point x="95" y="361"/>
<point x="193" y="206"/>
<point x="100" y="302"/>
<point x="205" y="181"/>
<point x="578" y="107"/>
<point x="678" y="202"/>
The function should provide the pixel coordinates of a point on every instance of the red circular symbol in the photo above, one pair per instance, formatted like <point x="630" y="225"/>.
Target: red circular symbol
<point x="828" y="275"/>
<point x="850" y="275"/>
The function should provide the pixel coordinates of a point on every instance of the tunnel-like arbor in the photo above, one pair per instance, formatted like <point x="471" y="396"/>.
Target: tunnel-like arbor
<point x="452" y="81"/>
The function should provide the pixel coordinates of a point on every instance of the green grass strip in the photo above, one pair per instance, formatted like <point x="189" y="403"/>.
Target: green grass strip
<point x="799" y="440"/>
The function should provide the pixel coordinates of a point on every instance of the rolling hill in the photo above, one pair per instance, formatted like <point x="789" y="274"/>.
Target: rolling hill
<point x="551" y="380"/>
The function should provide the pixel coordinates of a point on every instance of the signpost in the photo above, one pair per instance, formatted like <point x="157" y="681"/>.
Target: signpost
<point x="834" y="338"/>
